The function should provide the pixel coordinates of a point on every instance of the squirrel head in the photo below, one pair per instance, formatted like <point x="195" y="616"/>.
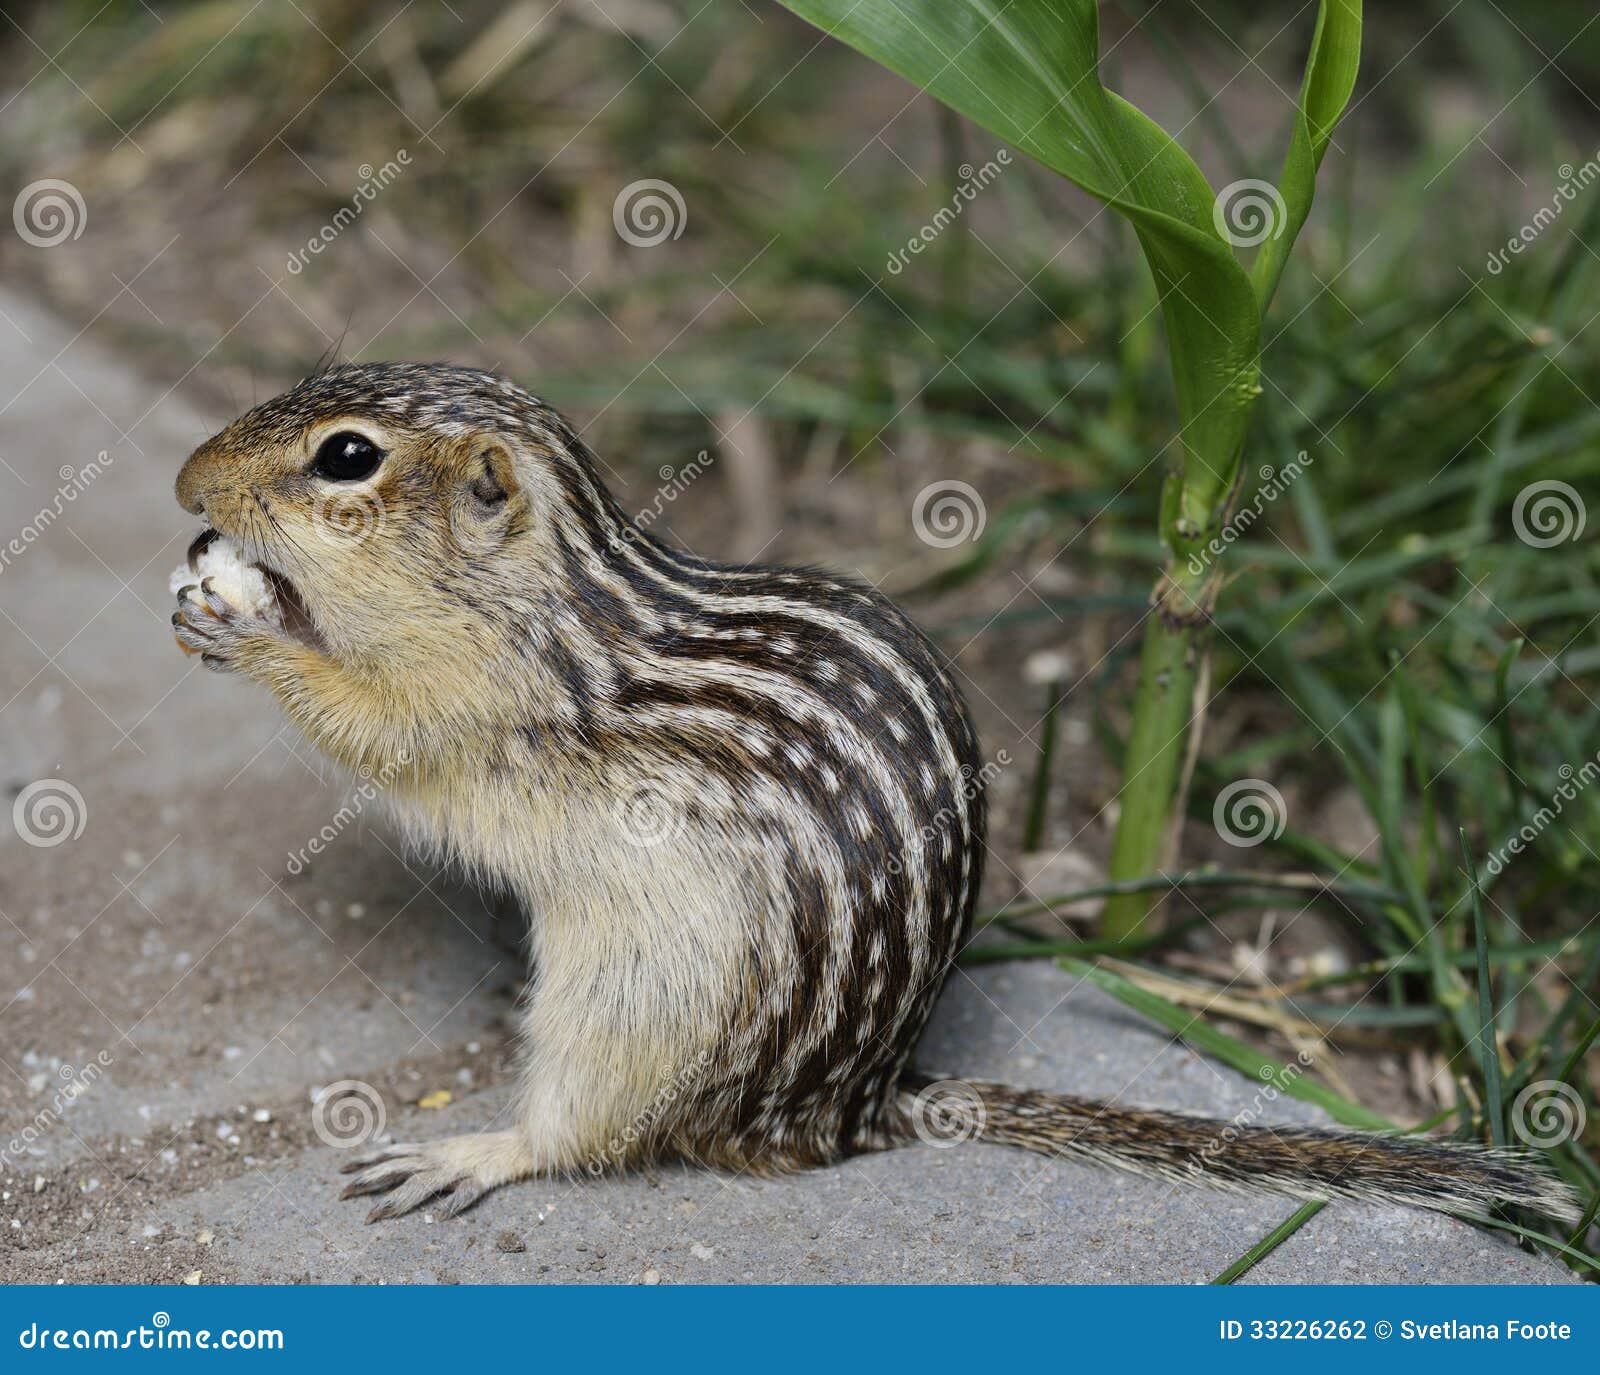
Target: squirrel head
<point x="398" y="500"/>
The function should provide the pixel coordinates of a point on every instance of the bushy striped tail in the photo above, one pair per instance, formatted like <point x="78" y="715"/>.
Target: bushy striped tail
<point x="1419" y="1172"/>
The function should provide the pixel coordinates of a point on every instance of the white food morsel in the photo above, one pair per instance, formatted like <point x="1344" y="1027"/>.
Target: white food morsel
<point x="242" y="585"/>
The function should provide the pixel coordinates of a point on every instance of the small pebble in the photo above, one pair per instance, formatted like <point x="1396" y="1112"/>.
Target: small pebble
<point x="651" y="1277"/>
<point x="509" y="1243"/>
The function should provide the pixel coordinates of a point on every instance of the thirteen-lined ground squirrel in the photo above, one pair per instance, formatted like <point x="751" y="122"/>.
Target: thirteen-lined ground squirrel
<point x="743" y="807"/>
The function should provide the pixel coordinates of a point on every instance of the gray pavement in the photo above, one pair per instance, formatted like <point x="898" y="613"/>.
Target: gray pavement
<point x="159" y="953"/>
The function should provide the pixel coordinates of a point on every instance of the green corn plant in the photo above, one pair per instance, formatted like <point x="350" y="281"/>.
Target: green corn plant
<point x="1028" y="71"/>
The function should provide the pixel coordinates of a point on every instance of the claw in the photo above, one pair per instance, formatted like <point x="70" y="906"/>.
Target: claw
<point x="375" y="1185"/>
<point x="383" y="1155"/>
<point x="455" y="1172"/>
<point x="198" y="547"/>
<point x="215" y="604"/>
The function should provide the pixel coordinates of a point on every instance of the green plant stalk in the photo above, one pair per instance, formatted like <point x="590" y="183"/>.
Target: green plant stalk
<point x="1030" y="72"/>
<point x="1196" y="506"/>
<point x="1169" y="665"/>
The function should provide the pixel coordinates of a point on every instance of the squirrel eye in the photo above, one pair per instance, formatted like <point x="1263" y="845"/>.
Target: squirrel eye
<point x="346" y="457"/>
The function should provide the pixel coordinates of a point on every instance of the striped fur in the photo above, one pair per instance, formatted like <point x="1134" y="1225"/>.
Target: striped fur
<point x="742" y="806"/>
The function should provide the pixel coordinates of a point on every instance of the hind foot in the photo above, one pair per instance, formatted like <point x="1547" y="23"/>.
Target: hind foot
<point x="459" y="1170"/>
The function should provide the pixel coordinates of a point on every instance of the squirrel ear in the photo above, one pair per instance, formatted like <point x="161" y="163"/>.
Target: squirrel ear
<point x="492" y="477"/>
<point x="490" y="500"/>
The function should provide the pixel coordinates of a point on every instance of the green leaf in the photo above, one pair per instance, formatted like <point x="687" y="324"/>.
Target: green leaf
<point x="1028" y="70"/>
<point x="1330" y="78"/>
<point x="1232" y="1052"/>
<point x="1273" y="1239"/>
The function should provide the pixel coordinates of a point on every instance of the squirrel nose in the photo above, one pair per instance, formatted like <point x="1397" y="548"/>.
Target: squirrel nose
<point x="191" y="485"/>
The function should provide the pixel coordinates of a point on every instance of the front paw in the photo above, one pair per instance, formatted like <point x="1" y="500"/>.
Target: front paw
<point x="454" y="1172"/>
<point x="206" y="625"/>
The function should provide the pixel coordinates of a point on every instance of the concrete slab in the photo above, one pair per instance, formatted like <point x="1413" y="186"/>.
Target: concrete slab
<point x="160" y="952"/>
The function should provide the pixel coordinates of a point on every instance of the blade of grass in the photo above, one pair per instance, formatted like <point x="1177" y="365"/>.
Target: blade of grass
<point x="1487" y="1045"/>
<point x="1234" y="1053"/>
<point x="1273" y="1239"/>
<point x="1039" y="797"/>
